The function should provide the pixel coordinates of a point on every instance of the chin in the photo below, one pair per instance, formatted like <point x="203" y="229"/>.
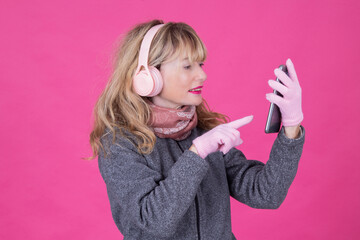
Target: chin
<point x="196" y="103"/>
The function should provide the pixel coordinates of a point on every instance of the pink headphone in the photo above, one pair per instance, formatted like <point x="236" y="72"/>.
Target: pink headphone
<point x="147" y="82"/>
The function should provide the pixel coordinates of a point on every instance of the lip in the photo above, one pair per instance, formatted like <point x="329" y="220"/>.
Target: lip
<point x="196" y="88"/>
<point x="196" y="92"/>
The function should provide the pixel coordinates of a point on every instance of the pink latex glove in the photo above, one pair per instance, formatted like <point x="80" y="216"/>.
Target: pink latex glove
<point x="222" y="137"/>
<point x="290" y="103"/>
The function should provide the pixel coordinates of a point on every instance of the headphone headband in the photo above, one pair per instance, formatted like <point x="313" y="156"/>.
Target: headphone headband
<point x="147" y="82"/>
<point x="145" y="46"/>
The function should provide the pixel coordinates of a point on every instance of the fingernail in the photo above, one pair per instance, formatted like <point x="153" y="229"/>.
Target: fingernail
<point x="289" y="61"/>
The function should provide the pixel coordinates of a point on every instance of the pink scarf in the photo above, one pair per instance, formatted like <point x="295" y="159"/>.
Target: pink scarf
<point x="172" y="123"/>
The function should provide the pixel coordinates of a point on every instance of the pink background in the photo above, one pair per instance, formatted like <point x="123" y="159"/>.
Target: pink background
<point x="54" y="58"/>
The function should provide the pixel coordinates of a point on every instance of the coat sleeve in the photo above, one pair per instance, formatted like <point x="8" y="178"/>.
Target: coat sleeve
<point x="141" y="196"/>
<point x="260" y="185"/>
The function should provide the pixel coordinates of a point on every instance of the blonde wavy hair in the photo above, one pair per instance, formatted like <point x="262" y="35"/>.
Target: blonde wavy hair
<point x="120" y="110"/>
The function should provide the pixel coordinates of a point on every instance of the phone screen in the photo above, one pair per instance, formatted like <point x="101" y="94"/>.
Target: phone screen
<point x="273" y="121"/>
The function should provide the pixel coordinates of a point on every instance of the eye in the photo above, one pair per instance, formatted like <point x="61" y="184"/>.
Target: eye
<point x="189" y="66"/>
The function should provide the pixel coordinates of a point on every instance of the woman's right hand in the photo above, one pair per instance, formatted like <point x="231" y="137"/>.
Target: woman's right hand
<point x="221" y="138"/>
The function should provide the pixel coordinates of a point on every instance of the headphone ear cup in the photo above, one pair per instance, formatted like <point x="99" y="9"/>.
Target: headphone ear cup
<point x="143" y="83"/>
<point x="146" y="85"/>
<point x="158" y="81"/>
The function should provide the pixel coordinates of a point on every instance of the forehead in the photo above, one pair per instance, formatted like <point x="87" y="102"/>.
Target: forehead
<point x="175" y="62"/>
<point x="181" y="44"/>
<point x="188" y="53"/>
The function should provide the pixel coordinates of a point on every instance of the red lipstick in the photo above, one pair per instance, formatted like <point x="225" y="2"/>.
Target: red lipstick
<point x="196" y="90"/>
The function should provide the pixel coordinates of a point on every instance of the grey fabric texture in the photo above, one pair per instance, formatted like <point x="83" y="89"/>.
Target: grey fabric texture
<point x="173" y="193"/>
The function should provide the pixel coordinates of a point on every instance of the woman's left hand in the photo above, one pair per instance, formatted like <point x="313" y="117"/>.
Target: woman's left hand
<point x="290" y="103"/>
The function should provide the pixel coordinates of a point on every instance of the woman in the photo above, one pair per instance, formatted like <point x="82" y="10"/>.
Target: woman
<point x="168" y="162"/>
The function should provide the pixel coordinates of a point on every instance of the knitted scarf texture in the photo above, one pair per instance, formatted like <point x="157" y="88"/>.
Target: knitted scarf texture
<point x="172" y="123"/>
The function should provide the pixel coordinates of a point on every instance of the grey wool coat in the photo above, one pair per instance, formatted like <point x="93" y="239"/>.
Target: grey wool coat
<point x="173" y="193"/>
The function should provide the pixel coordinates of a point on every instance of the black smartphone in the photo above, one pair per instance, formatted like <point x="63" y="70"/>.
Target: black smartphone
<point x="273" y="121"/>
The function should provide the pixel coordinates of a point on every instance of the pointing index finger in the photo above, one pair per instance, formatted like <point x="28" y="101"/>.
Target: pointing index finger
<point x="291" y="70"/>
<point x="240" y="122"/>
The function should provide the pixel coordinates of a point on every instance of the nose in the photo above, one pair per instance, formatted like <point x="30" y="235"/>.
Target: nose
<point x="201" y="75"/>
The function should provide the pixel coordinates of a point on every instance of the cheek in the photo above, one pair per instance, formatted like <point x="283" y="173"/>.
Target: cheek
<point x="183" y="82"/>
<point x="176" y="84"/>
<point x="170" y="89"/>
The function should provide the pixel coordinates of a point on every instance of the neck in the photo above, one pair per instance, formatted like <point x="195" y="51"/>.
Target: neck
<point x="165" y="104"/>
